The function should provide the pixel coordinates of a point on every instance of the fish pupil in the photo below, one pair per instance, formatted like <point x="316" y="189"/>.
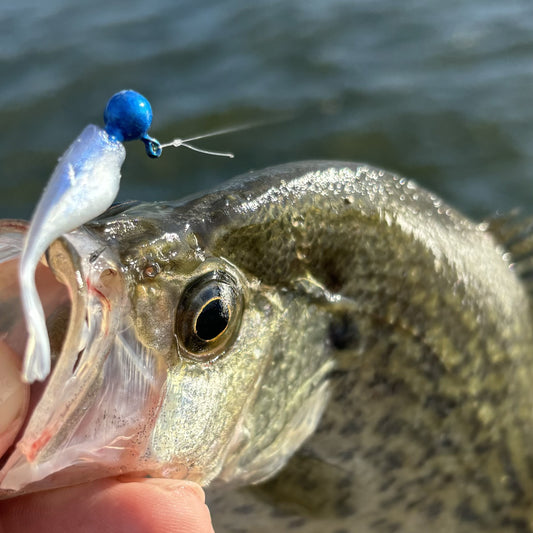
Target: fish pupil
<point x="212" y="320"/>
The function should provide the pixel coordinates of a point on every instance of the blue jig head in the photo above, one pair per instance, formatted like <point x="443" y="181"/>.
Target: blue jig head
<point x="128" y="117"/>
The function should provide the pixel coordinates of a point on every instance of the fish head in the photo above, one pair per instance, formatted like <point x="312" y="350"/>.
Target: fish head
<point x="170" y="359"/>
<point x="245" y="375"/>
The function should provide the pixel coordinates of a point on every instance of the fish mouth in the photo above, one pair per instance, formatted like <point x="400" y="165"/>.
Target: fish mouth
<point x="92" y="417"/>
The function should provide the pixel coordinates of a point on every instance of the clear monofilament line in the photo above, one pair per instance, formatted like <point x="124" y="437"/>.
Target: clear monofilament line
<point x="208" y="152"/>
<point x="176" y="143"/>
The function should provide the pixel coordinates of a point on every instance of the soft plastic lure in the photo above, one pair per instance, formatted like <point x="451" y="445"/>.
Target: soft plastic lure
<point x="83" y="185"/>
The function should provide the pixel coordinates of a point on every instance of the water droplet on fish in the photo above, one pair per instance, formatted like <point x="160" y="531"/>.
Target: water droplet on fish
<point x="300" y="254"/>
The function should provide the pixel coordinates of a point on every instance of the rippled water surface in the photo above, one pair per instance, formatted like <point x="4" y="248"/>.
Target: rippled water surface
<point x="438" y="91"/>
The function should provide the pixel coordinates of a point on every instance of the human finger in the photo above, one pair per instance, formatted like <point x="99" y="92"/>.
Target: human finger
<point x="110" y="506"/>
<point x="14" y="397"/>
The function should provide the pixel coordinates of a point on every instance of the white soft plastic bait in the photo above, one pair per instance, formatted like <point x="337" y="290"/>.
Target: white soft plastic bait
<point x="83" y="185"/>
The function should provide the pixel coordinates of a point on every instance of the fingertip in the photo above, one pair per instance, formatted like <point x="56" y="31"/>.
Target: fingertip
<point x="177" y="506"/>
<point x="172" y="486"/>
<point x="105" y="506"/>
<point x="14" y="396"/>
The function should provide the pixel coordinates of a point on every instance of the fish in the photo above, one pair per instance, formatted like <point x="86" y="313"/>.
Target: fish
<point x="325" y="346"/>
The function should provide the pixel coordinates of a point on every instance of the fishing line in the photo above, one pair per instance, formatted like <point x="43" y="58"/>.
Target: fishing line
<point x="176" y="143"/>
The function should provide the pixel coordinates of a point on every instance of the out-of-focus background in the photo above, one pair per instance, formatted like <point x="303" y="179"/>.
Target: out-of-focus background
<point x="439" y="91"/>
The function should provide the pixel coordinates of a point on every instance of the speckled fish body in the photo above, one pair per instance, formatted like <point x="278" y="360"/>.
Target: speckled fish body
<point x="366" y="365"/>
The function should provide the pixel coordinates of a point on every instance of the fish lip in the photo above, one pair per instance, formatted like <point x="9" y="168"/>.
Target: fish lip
<point x="71" y="435"/>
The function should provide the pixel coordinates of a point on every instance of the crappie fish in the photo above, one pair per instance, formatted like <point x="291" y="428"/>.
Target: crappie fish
<point x="329" y="337"/>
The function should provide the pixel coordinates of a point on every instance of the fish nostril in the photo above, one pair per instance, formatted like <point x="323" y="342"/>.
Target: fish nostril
<point x="151" y="270"/>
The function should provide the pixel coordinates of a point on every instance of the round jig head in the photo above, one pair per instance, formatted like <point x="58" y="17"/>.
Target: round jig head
<point x="128" y="117"/>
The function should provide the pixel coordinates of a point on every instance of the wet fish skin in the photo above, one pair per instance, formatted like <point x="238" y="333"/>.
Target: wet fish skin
<point x="421" y="330"/>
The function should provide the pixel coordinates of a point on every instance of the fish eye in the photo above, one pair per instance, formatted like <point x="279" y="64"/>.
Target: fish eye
<point x="208" y="316"/>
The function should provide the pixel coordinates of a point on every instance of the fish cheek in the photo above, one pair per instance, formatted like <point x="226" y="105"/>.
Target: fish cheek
<point x="204" y="404"/>
<point x="292" y="390"/>
<point x="154" y="304"/>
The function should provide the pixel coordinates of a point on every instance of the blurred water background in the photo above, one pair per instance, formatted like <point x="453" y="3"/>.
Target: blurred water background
<point x="439" y="91"/>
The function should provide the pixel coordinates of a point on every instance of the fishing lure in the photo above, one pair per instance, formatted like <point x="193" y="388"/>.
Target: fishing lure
<point x="83" y="185"/>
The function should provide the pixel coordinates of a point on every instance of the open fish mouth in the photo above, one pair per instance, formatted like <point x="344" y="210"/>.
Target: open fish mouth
<point x="93" y="415"/>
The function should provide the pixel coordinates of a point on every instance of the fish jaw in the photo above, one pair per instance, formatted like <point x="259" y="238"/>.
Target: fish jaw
<point x="95" y="414"/>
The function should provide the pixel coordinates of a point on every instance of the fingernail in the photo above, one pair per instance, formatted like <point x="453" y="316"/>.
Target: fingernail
<point x="174" y="485"/>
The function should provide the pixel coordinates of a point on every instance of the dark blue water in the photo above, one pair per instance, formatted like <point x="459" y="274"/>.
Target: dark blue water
<point x="438" y="91"/>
